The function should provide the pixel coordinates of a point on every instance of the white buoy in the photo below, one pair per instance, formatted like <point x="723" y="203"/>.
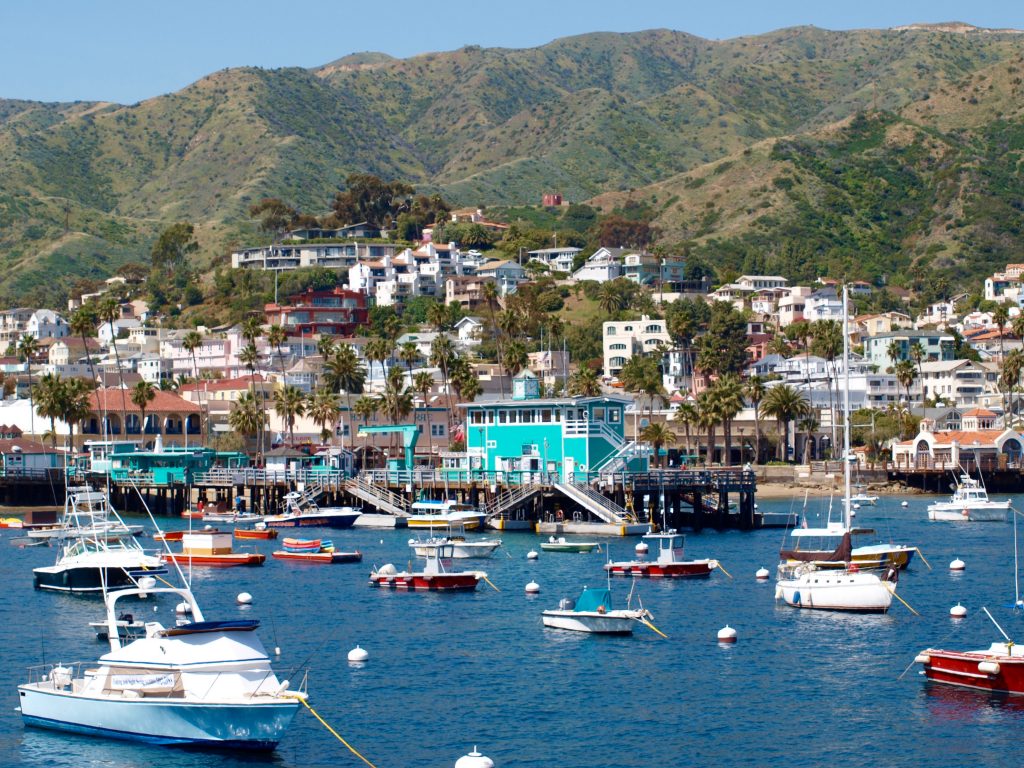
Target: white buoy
<point x="727" y="634"/>
<point x="358" y="655"/>
<point x="382" y="541"/>
<point x="641" y="548"/>
<point x="182" y="608"/>
<point x="474" y="760"/>
<point x="532" y="588"/>
<point x="147" y="582"/>
<point x="958" y="611"/>
<point x="957" y="565"/>
<point x="904" y="504"/>
<point x="244" y="598"/>
<point x="531" y="555"/>
<point x="762" y="574"/>
<point x="277" y="650"/>
<point x="856" y="506"/>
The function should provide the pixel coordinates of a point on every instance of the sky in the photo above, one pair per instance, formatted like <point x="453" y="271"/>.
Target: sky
<point x="128" y="50"/>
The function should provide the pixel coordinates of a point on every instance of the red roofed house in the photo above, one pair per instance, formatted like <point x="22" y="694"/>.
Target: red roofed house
<point x="335" y="311"/>
<point x="113" y="414"/>
<point x="978" y="440"/>
<point x="218" y="396"/>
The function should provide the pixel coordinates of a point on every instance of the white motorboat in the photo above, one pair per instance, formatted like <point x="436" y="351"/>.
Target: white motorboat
<point x="302" y="511"/>
<point x="90" y="557"/>
<point x="462" y="548"/>
<point x="805" y="579"/>
<point x="429" y="513"/>
<point x="593" y="612"/>
<point x="969" y="503"/>
<point x="205" y="683"/>
<point x="863" y="500"/>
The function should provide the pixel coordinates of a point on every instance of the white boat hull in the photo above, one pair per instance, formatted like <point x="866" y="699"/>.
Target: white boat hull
<point x="250" y="724"/>
<point x="608" y="623"/>
<point x="992" y="512"/>
<point x="836" y="591"/>
<point x="463" y="550"/>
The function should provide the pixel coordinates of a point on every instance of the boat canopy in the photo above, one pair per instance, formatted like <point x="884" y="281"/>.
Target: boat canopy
<point x="593" y="599"/>
<point x="841" y="554"/>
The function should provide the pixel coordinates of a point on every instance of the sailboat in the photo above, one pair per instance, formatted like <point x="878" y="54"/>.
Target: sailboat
<point x="836" y="584"/>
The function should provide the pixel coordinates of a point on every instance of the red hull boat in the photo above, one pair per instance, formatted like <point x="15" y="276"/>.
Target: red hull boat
<point x="214" y="561"/>
<point x="255" y="533"/>
<point x="999" y="668"/>
<point x="435" y="576"/>
<point x="669" y="563"/>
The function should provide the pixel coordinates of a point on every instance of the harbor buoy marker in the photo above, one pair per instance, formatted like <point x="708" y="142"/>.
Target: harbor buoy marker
<point x="958" y="611"/>
<point x="244" y="598"/>
<point x="727" y="634"/>
<point x="358" y="655"/>
<point x="957" y="565"/>
<point x="531" y="555"/>
<point x="532" y="588"/>
<point x="762" y="574"/>
<point x="474" y="760"/>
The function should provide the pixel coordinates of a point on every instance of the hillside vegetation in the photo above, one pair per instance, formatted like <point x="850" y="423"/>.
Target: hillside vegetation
<point x="767" y="150"/>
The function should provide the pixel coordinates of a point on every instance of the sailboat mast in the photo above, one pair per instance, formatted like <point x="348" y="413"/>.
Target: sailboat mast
<point x="846" y="405"/>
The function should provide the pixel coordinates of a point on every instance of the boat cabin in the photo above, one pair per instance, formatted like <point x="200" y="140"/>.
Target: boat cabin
<point x="206" y="543"/>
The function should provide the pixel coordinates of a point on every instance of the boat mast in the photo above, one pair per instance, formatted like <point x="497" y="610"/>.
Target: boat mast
<point x="846" y="407"/>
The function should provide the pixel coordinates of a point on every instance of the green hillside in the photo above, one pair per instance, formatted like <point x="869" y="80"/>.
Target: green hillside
<point x="87" y="186"/>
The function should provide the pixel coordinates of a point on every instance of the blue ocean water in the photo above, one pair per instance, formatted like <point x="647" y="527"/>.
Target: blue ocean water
<point x="449" y="671"/>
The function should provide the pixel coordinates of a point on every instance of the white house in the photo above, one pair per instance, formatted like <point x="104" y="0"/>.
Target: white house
<point x="625" y="338"/>
<point x="602" y="265"/>
<point x="469" y="330"/>
<point x="557" y="259"/>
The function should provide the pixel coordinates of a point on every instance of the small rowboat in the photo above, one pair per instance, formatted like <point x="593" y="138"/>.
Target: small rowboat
<point x="303" y="545"/>
<point x="326" y="558"/>
<point x="561" y="545"/>
<point x="255" y="533"/>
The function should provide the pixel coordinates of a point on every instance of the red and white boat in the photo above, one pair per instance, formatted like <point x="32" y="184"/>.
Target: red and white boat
<point x="998" y="668"/>
<point x="327" y="558"/>
<point x="436" y="575"/>
<point x="210" y="549"/>
<point x="669" y="562"/>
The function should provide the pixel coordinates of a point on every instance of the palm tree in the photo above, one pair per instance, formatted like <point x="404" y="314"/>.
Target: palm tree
<point x="192" y="341"/>
<point x="490" y="295"/>
<point x="49" y="396"/>
<point x="754" y="391"/>
<point x="729" y="397"/>
<point x="324" y="408"/>
<point x="609" y="298"/>
<point x="807" y="425"/>
<point x="325" y="347"/>
<point x="894" y="352"/>
<point x="247" y="415"/>
<point x="83" y="323"/>
<point x="686" y="414"/>
<point x="1000" y="317"/>
<point x="408" y="354"/>
<point x="276" y="337"/>
<point x="917" y="354"/>
<point x="28" y="345"/>
<point x="365" y="408"/>
<point x="1012" y="367"/>
<point x="289" y="403"/>
<point x="657" y="435"/>
<point x="905" y="377"/>
<point x="77" y="405"/>
<point x="109" y="311"/>
<point x="378" y="350"/>
<point x="515" y="359"/>
<point x="396" y="400"/>
<point x="828" y="344"/>
<point x="142" y="395"/>
<point x="584" y="382"/>
<point x="422" y="382"/>
<point x="250" y="357"/>
<point x="707" y="419"/>
<point x="784" y="404"/>
<point x="442" y="353"/>
<point x="343" y="371"/>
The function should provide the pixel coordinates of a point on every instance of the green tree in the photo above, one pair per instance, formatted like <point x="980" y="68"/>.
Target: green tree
<point x="172" y="246"/>
<point x="344" y="372"/>
<point x="192" y="341"/>
<point x="754" y="391"/>
<point x="657" y="435"/>
<point x="371" y="199"/>
<point x="785" y="405"/>
<point x="49" y="394"/>
<point x="584" y="382"/>
<point x="83" y="324"/>
<point x="276" y="337"/>
<point x="365" y="408"/>
<point x="324" y="409"/>
<point x="275" y="215"/>
<point x="686" y="414"/>
<point x="27" y="348"/>
<point x="247" y="415"/>
<point x="708" y="417"/>
<point x="77" y="405"/>
<point x="515" y="358"/>
<point x="442" y="353"/>
<point x="728" y="391"/>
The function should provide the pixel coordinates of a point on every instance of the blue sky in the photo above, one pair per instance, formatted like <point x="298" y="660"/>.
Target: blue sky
<point x="128" y="50"/>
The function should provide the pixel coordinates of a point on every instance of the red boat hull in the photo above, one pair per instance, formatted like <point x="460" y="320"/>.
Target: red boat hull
<point x="444" y="582"/>
<point x="326" y="558"/>
<point x="682" y="570"/>
<point x="961" y="669"/>
<point x="214" y="561"/>
<point x="246" y="533"/>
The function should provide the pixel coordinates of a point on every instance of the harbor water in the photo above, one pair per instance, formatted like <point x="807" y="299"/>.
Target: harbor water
<point x="447" y="672"/>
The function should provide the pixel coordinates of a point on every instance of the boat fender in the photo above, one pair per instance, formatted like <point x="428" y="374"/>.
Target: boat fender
<point x="388" y="569"/>
<point x="600" y="609"/>
<point x="282" y="687"/>
<point x="892" y="575"/>
<point x="712" y="564"/>
<point x="989" y="667"/>
<point x="854" y="568"/>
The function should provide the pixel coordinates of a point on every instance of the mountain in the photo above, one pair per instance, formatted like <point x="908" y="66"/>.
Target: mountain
<point x="87" y="186"/>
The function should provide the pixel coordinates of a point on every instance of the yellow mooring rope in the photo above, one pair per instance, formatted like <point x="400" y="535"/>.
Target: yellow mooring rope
<point x="336" y="735"/>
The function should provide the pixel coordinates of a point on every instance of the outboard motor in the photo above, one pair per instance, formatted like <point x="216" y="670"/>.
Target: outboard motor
<point x="566" y="604"/>
<point x="892" y="574"/>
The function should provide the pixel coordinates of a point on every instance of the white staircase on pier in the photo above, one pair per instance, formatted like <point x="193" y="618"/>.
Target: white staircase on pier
<point x="379" y="498"/>
<point x="596" y="503"/>
<point x="507" y="500"/>
<point x="618" y="461"/>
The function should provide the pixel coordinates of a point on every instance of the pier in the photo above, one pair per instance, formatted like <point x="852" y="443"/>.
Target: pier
<point x="626" y="502"/>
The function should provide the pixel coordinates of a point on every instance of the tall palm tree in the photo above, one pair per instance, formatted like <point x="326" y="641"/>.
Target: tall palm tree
<point x="707" y="419"/>
<point x="1001" y="316"/>
<point x="784" y="404"/>
<point x="895" y="352"/>
<point x="686" y="414"/>
<point x="50" y="394"/>
<point x="378" y="350"/>
<point x="192" y="341"/>
<point x="917" y="354"/>
<point x="325" y="346"/>
<point x="905" y="377"/>
<point x="609" y="298"/>
<point x="729" y="397"/>
<point x="276" y="337"/>
<point x="408" y="354"/>
<point x="490" y="295"/>
<point x="1010" y="378"/>
<point x="250" y="357"/>
<point x="422" y="383"/>
<point x="109" y="311"/>
<point x="828" y="344"/>
<point x="754" y="391"/>
<point x="657" y="435"/>
<point x="396" y="401"/>
<point x="344" y="372"/>
<point x="247" y="415"/>
<point x="289" y="403"/>
<point x="77" y="405"/>
<point x="442" y="353"/>
<point x="365" y="408"/>
<point x="142" y="395"/>
<point x="83" y="324"/>
<point x="808" y="424"/>
<point x="324" y="408"/>
<point x="28" y="345"/>
<point x="515" y="358"/>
